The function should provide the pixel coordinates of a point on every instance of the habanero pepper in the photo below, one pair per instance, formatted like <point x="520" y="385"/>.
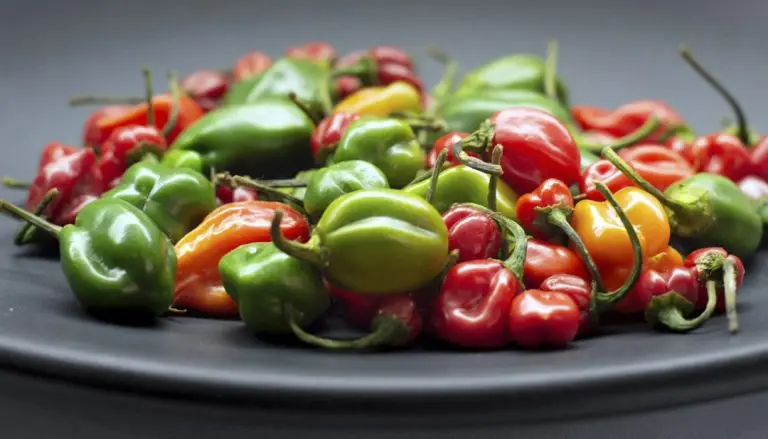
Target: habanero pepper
<point x="250" y="65"/>
<point x="184" y="160"/>
<point x="329" y="183"/>
<point x="540" y="318"/>
<point x="328" y="133"/>
<point x="473" y="232"/>
<point x="198" y="285"/>
<point x="628" y="118"/>
<point x="639" y="299"/>
<point x="714" y="264"/>
<point x="92" y="134"/>
<point x="544" y="260"/>
<point x="579" y="290"/>
<point x="382" y="100"/>
<point x="207" y="87"/>
<point x="446" y="142"/>
<point x="381" y="65"/>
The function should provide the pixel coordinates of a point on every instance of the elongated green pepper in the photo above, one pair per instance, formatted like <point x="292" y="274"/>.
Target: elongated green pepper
<point x="375" y="241"/>
<point x="264" y="282"/>
<point x="117" y="262"/>
<point x="266" y="139"/>
<point x="177" y="200"/>
<point x="328" y="184"/>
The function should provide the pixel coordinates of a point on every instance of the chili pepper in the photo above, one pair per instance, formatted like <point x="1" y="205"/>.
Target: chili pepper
<point x="544" y="260"/>
<point x="225" y="194"/>
<point x="722" y="154"/>
<point x="759" y="159"/>
<point x="628" y="118"/>
<point x="446" y="142"/>
<point x="381" y="65"/>
<point x="114" y="158"/>
<point x="266" y="139"/>
<point x="536" y="147"/>
<point x="328" y="184"/>
<point x="377" y="241"/>
<point x="472" y="308"/>
<point x="264" y="281"/>
<point x="714" y="264"/>
<point x="251" y="65"/>
<point x="639" y="299"/>
<point x="474" y="233"/>
<point x="328" y="133"/>
<point x="579" y="290"/>
<point x="177" y="200"/>
<point x="705" y="210"/>
<point x="207" y="88"/>
<point x="306" y="79"/>
<point x="198" y="285"/>
<point x="660" y="166"/>
<point x="314" y="50"/>
<point x="92" y="134"/>
<point x="116" y="261"/>
<point x="183" y="160"/>
<point x="543" y="318"/>
<point x="381" y="101"/>
<point x="390" y="144"/>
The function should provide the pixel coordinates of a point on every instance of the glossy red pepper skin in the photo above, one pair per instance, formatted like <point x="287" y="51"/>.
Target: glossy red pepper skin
<point x="627" y="118"/>
<point x="759" y="159"/>
<point x="226" y="194"/>
<point x="696" y="256"/>
<point x="93" y="135"/>
<point x="313" y="50"/>
<point x="206" y="87"/>
<point x="251" y="64"/>
<point x="544" y="260"/>
<point x="328" y="133"/>
<point x="579" y="290"/>
<point x="446" y="142"/>
<point x="472" y="308"/>
<point x="755" y="188"/>
<point x="113" y="161"/>
<point x="550" y="193"/>
<point x="537" y="146"/>
<point x="543" y="319"/>
<point x="682" y="280"/>
<point x="722" y="154"/>
<point x="473" y="233"/>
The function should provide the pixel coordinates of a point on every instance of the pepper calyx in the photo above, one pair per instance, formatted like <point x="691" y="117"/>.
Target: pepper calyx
<point x="691" y="212"/>
<point x="670" y="311"/>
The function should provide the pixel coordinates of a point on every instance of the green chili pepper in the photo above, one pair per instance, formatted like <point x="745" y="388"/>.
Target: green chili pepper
<point x="375" y="241"/>
<point x="330" y="183"/>
<point x="183" y="159"/>
<point x="263" y="281"/>
<point x="177" y="200"/>
<point x="706" y="210"/>
<point x="390" y="144"/>
<point x="117" y="262"/>
<point x="307" y="79"/>
<point x="266" y="139"/>
<point x="511" y="72"/>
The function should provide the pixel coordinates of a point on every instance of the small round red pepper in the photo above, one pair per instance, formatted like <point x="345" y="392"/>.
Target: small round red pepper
<point x="543" y="319"/>
<point x="673" y="294"/>
<point x="92" y="133"/>
<point x="447" y="143"/>
<point x="251" y="64"/>
<point x="722" y="154"/>
<point x="206" y="87"/>
<point x="579" y="290"/>
<point x="544" y="260"/>
<point x="715" y="264"/>
<point x="114" y="160"/>
<point x="474" y="233"/>
<point x="328" y="133"/>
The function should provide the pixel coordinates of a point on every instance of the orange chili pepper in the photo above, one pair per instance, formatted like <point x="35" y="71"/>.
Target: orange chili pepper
<point x="198" y="285"/>
<point x="189" y="112"/>
<point x="607" y="240"/>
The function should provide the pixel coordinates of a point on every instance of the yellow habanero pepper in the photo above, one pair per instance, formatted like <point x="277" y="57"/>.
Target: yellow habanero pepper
<point x="382" y="101"/>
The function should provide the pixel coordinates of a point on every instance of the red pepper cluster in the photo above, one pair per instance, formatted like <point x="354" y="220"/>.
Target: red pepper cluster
<point x="380" y="65"/>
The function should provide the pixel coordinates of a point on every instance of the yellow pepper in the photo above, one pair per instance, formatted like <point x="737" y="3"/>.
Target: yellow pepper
<point x="382" y="101"/>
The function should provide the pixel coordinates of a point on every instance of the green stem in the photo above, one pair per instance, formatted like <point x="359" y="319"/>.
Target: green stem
<point x="173" y="119"/>
<point x="12" y="183"/>
<point x="673" y="319"/>
<point x="741" y="119"/>
<point x="433" y="179"/>
<point x="386" y="333"/>
<point x="76" y="101"/>
<point x="606" y="300"/>
<point x="640" y="134"/>
<point x="550" y="71"/>
<point x="472" y="162"/>
<point x="148" y="93"/>
<point x="303" y="107"/>
<point x="558" y="219"/>
<point x="238" y="180"/>
<point x="31" y="218"/>
<point x="444" y="88"/>
<point x="284" y="183"/>
<point x="24" y="232"/>
<point x="493" y="181"/>
<point x="516" y="260"/>
<point x="306" y="252"/>
<point x="729" y="287"/>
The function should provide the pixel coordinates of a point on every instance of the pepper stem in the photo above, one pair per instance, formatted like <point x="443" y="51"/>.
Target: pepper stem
<point x="12" y="183"/>
<point x="741" y="119"/>
<point x="480" y="139"/>
<point x="303" y="107"/>
<point x="173" y="119"/>
<point x="386" y="332"/>
<point x="518" y="240"/>
<point x="76" y="101"/>
<point x="435" y="175"/>
<point x="558" y="218"/>
<point x="729" y="287"/>
<point x="26" y="232"/>
<point x="226" y="178"/>
<point x="285" y="183"/>
<point x="29" y="217"/>
<point x="550" y="70"/>
<point x="305" y="252"/>
<point x="148" y="92"/>
<point x="640" y="134"/>
<point x="493" y="182"/>
<point x="672" y="318"/>
<point x="606" y="300"/>
<point x="444" y="88"/>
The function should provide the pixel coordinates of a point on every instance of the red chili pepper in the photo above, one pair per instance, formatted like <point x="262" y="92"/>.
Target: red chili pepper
<point x="715" y="264"/>
<point x="722" y="154"/>
<point x="759" y="158"/>
<point x="474" y="233"/>
<point x="543" y="318"/>
<point x="314" y="50"/>
<point x="579" y="290"/>
<point x="251" y="64"/>
<point x="627" y="118"/>
<point x="226" y="194"/>
<point x="206" y="87"/>
<point x="639" y="299"/>
<point x="755" y="188"/>
<point x="530" y="208"/>
<point x="544" y="260"/>
<point x="114" y="158"/>
<point x="446" y="142"/>
<point x="92" y="133"/>
<point x="328" y="133"/>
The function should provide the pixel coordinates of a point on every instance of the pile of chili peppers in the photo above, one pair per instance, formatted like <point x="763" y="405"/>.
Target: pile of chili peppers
<point x="486" y="213"/>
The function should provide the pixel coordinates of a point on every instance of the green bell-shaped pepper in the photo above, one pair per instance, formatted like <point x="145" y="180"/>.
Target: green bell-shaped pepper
<point x="183" y="159"/>
<point x="266" y="139"/>
<point x="177" y="200"/>
<point x="117" y="262"/>
<point x="328" y="184"/>
<point x="390" y="144"/>
<point x="264" y="281"/>
<point x="308" y="80"/>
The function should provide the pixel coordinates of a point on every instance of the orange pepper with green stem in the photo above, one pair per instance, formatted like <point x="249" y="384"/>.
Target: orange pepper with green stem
<point x="198" y="285"/>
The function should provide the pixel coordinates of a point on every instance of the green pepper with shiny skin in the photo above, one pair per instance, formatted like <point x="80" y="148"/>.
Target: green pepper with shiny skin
<point x="117" y="262"/>
<point x="308" y="80"/>
<point x="328" y="184"/>
<point x="375" y="242"/>
<point x="264" y="281"/>
<point x="266" y="139"/>
<point x="183" y="159"/>
<point x="390" y="144"/>
<point x="177" y="200"/>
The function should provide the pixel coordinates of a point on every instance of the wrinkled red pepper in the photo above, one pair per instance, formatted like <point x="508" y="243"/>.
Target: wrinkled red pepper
<point x="114" y="154"/>
<point x="543" y="319"/>
<point x="544" y="260"/>
<point x="381" y="65"/>
<point x="328" y="133"/>
<point x="474" y="233"/>
<point x="579" y="290"/>
<point x="627" y="118"/>
<point x="446" y="142"/>
<point x="93" y="135"/>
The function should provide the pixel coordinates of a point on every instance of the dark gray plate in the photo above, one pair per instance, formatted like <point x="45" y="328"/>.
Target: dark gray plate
<point x="610" y="53"/>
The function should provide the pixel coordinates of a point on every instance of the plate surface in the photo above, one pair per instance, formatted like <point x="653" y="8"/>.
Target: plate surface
<point x="610" y="53"/>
